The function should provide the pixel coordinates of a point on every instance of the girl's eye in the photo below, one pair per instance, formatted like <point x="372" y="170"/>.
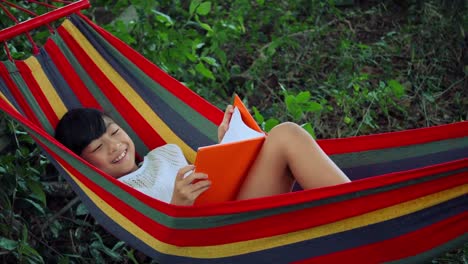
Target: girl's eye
<point x="116" y="131"/>
<point x="97" y="148"/>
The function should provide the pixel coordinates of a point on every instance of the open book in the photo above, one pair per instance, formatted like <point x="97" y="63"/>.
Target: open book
<point x="228" y="162"/>
<point x="238" y="130"/>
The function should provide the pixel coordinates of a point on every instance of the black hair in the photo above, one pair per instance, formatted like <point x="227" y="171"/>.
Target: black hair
<point x="78" y="127"/>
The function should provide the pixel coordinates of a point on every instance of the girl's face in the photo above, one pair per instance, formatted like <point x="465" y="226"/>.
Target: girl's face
<point x="113" y="152"/>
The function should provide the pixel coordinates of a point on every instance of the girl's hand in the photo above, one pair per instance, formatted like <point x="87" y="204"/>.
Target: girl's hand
<point x="223" y="127"/>
<point x="185" y="191"/>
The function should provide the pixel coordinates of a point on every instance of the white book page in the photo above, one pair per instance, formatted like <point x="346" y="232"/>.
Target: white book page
<point x="238" y="130"/>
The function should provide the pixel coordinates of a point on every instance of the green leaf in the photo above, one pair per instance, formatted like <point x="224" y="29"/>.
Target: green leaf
<point x="356" y="87"/>
<point x="55" y="228"/>
<point x="258" y="116"/>
<point x="198" y="45"/>
<point x="293" y="107"/>
<point x="8" y="244"/>
<point x="290" y="101"/>
<point x="193" y="6"/>
<point x="131" y="255"/>
<point x="308" y="127"/>
<point x="205" y="26"/>
<point x="81" y="210"/>
<point x="429" y="97"/>
<point x="33" y="255"/>
<point x="314" y="107"/>
<point x="271" y="50"/>
<point x="271" y="123"/>
<point x="397" y="89"/>
<point x="221" y="56"/>
<point x="347" y="120"/>
<point x="163" y="18"/>
<point x="118" y="245"/>
<point x="97" y="256"/>
<point x="204" y="8"/>
<point x="235" y="69"/>
<point x="114" y="255"/>
<point x="98" y="244"/>
<point x="200" y="68"/>
<point x="37" y="191"/>
<point x="35" y="205"/>
<point x="191" y="57"/>
<point x="64" y="260"/>
<point x="211" y="61"/>
<point x="34" y="171"/>
<point x="303" y="97"/>
<point x="24" y="232"/>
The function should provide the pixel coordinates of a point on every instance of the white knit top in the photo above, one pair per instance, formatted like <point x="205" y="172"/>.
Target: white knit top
<point x="156" y="174"/>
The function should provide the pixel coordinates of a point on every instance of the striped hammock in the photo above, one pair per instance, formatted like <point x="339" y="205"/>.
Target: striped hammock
<point x="407" y="203"/>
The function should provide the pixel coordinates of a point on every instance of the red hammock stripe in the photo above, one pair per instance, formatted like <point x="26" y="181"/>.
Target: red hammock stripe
<point x="270" y="225"/>
<point x="316" y="216"/>
<point x="318" y="194"/>
<point x="216" y="230"/>
<point x="394" y="139"/>
<point x="17" y="94"/>
<point x="41" y="99"/>
<point x="401" y="247"/>
<point x="270" y="202"/>
<point x="136" y="121"/>
<point x="79" y="88"/>
<point x="192" y="99"/>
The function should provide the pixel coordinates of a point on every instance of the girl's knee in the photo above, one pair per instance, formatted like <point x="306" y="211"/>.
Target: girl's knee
<point x="286" y="129"/>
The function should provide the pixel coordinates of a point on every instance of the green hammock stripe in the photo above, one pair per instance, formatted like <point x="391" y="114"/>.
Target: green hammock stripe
<point x="187" y="113"/>
<point x="100" y="97"/>
<point x="343" y="160"/>
<point x="28" y="96"/>
<point x="96" y="178"/>
<point x="204" y="222"/>
<point x="427" y="256"/>
<point x="400" y="153"/>
<point x="218" y="220"/>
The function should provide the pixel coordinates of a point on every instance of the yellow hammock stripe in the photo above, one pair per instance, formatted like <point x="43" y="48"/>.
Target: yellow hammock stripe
<point x="47" y="88"/>
<point x="237" y="248"/>
<point x="129" y="93"/>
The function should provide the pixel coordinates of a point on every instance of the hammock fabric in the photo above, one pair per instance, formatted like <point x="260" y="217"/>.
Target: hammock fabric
<point x="407" y="203"/>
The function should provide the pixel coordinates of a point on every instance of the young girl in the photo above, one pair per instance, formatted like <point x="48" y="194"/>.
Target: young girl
<point x="289" y="153"/>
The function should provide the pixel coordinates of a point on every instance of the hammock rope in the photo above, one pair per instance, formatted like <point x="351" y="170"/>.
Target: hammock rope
<point x="408" y="200"/>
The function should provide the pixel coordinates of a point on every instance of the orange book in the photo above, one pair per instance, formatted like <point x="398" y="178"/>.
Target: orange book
<point x="228" y="162"/>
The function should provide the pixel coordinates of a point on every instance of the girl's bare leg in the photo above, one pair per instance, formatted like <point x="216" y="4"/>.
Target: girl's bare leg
<point x="289" y="153"/>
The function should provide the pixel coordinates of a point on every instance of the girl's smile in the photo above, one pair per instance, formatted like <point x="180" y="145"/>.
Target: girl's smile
<point x="120" y="157"/>
<point x="113" y="152"/>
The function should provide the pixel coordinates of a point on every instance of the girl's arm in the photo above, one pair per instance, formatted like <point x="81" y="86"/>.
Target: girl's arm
<point x="185" y="190"/>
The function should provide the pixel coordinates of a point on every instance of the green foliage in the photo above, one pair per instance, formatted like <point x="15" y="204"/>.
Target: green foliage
<point x="21" y="191"/>
<point x="338" y="68"/>
<point x="34" y="221"/>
